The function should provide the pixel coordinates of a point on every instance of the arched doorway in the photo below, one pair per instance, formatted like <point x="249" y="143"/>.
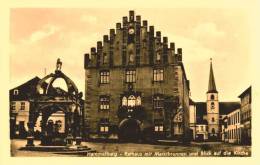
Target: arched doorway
<point x="129" y="130"/>
<point x="52" y="119"/>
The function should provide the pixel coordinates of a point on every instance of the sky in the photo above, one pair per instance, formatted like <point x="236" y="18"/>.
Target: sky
<point x="39" y="36"/>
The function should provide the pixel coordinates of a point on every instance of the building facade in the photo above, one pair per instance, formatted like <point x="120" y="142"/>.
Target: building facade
<point x="246" y="98"/>
<point x="193" y="120"/>
<point x="20" y="104"/>
<point x="211" y="116"/>
<point x="234" y="128"/>
<point x="135" y="85"/>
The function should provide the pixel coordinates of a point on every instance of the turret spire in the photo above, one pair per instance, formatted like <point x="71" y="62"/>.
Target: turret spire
<point x="212" y="86"/>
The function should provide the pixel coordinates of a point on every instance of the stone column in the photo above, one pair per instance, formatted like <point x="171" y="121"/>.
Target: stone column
<point x="69" y="138"/>
<point x="31" y="123"/>
<point x="78" y="126"/>
<point x="43" y="129"/>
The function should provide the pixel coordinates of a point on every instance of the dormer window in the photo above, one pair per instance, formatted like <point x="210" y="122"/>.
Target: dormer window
<point x="16" y="92"/>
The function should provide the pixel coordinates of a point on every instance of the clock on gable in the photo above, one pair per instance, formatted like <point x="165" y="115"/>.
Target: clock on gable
<point x="131" y="31"/>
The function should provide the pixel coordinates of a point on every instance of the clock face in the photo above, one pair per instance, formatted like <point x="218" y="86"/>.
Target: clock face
<point x="131" y="31"/>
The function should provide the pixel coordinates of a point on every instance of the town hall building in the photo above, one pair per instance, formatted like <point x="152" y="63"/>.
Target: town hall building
<point x="136" y="86"/>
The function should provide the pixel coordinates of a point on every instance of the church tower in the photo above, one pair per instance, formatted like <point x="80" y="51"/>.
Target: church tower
<point x="212" y="106"/>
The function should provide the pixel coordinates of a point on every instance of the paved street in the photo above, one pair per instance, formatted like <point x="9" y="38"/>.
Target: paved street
<point x="132" y="149"/>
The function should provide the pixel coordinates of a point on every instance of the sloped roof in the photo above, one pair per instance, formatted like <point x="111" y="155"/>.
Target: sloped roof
<point x="224" y="108"/>
<point x="247" y="91"/>
<point x="212" y="85"/>
<point x="227" y="107"/>
<point x="201" y="110"/>
<point x="25" y="90"/>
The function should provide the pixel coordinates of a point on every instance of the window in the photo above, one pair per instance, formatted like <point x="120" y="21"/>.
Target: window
<point x="213" y="119"/>
<point x="104" y="103"/>
<point x="104" y="125"/>
<point x="104" y="129"/>
<point x="158" y="75"/>
<point x="138" y="101"/>
<point x="124" y="101"/>
<point x="158" y="125"/>
<point x="130" y="76"/>
<point x="22" y="105"/>
<point x="161" y="128"/>
<point x="131" y="101"/>
<point x="158" y="128"/>
<point x="212" y="97"/>
<point x="212" y="105"/>
<point x="104" y="77"/>
<point x="16" y="92"/>
<point x="158" y="102"/>
<point x="213" y="130"/>
<point x="12" y="105"/>
<point x="201" y="128"/>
